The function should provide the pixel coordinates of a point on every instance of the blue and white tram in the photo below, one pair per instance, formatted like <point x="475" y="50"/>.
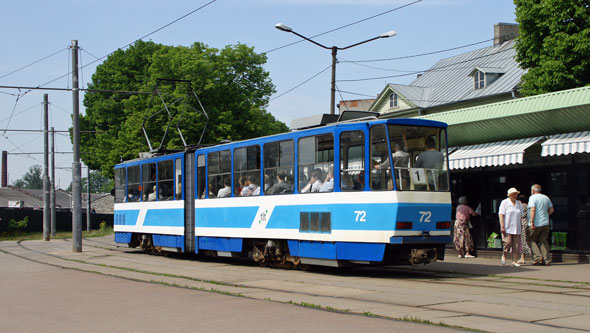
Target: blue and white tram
<point x="372" y="192"/>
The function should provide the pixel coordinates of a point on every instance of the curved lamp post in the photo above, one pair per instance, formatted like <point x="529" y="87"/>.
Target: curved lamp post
<point x="334" y="49"/>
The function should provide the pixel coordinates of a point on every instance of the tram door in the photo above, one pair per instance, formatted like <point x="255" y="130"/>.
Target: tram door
<point x="189" y="202"/>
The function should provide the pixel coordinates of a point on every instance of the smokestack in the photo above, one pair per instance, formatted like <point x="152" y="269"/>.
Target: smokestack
<point x="504" y="32"/>
<point x="4" y="168"/>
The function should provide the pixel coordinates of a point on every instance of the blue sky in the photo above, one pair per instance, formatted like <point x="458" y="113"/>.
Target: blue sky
<point x="32" y="30"/>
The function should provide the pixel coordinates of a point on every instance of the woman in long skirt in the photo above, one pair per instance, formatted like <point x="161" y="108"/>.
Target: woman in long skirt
<point x="463" y="240"/>
<point x="524" y="222"/>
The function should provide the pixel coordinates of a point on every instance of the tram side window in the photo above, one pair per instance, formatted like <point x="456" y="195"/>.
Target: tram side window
<point x="166" y="180"/>
<point x="381" y="169"/>
<point x="247" y="171"/>
<point x="352" y="161"/>
<point x="201" y="176"/>
<point x="316" y="163"/>
<point x="148" y="181"/>
<point x="419" y="157"/>
<point x="219" y="163"/>
<point x="178" y="177"/>
<point x="133" y="184"/>
<point x="279" y="160"/>
<point x="120" y="185"/>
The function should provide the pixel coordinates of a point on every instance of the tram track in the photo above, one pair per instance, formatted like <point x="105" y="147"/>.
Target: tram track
<point x="421" y="277"/>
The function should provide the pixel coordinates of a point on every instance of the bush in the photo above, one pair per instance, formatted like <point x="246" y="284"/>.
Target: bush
<point x="103" y="226"/>
<point x="17" y="226"/>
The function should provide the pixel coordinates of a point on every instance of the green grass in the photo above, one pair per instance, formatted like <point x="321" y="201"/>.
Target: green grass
<point x="60" y="235"/>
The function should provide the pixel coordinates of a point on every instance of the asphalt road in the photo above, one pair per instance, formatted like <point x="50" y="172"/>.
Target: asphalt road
<point x="38" y="294"/>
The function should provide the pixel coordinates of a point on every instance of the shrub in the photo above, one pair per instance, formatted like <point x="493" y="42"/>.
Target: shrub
<point x="17" y="226"/>
<point x="103" y="226"/>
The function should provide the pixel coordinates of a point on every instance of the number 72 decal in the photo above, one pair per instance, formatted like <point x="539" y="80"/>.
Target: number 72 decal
<point x="425" y="216"/>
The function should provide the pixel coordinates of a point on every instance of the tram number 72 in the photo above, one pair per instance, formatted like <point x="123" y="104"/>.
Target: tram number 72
<point x="425" y="216"/>
<point x="360" y="216"/>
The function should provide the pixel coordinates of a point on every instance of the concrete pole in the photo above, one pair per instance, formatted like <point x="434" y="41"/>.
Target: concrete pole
<point x="87" y="199"/>
<point x="52" y="187"/>
<point x="46" y="213"/>
<point x="333" y="82"/>
<point x="76" y="172"/>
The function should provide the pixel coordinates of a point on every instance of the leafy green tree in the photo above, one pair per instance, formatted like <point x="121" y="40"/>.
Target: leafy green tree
<point x="553" y="44"/>
<point x="98" y="183"/>
<point x="231" y="84"/>
<point x="32" y="180"/>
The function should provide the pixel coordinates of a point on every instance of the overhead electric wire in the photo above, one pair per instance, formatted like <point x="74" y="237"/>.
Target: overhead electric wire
<point x="300" y="84"/>
<point x="428" y="70"/>
<point x="31" y="64"/>
<point x="23" y="111"/>
<point x="345" y="26"/>
<point x="141" y="38"/>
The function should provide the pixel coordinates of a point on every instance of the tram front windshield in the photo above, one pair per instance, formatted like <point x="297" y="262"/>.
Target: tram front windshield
<point x="419" y="158"/>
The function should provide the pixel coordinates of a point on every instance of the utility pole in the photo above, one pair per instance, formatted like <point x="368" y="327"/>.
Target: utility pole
<point x="52" y="187"/>
<point x="46" y="215"/>
<point x="76" y="172"/>
<point x="87" y="198"/>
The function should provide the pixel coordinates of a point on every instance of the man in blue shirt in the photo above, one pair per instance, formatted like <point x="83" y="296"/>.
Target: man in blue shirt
<point x="540" y="207"/>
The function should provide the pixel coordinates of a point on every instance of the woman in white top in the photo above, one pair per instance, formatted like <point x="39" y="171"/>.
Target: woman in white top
<point x="509" y="214"/>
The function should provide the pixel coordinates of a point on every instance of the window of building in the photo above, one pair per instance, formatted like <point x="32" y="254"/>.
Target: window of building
<point x="219" y="166"/>
<point x="247" y="171"/>
<point x="148" y="181"/>
<point x="133" y="184"/>
<point x="279" y="165"/>
<point x="120" y="185"/>
<point x="479" y="80"/>
<point x="166" y="180"/>
<point x="352" y="161"/>
<point x="393" y="99"/>
<point x="201" y="177"/>
<point x="381" y="172"/>
<point x="316" y="163"/>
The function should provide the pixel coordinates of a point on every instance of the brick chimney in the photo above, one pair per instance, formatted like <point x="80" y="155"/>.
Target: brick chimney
<point x="504" y="32"/>
<point x="4" y="168"/>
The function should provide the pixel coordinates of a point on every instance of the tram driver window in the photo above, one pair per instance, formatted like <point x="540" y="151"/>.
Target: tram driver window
<point x="278" y="167"/>
<point x="119" y="185"/>
<point x="133" y="184"/>
<point x="316" y="164"/>
<point x="166" y="180"/>
<point x="352" y="161"/>
<point x="247" y="171"/>
<point x="380" y="161"/>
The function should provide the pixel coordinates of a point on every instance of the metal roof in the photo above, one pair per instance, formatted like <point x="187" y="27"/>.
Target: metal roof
<point x="548" y="114"/>
<point x="491" y="154"/>
<point x="567" y="143"/>
<point x="413" y="94"/>
<point x="449" y="79"/>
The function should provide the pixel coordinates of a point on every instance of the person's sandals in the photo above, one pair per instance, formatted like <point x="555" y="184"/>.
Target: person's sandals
<point x="503" y="260"/>
<point x="521" y="262"/>
<point x="469" y="256"/>
<point x="515" y="264"/>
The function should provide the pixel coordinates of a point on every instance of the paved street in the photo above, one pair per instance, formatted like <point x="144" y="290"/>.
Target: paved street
<point x="110" y="288"/>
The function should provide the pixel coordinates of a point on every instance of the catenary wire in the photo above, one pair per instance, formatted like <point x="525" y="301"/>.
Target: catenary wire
<point x="31" y="64"/>
<point x="300" y="84"/>
<point x="345" y="26"/>
<point x="428" y="70"/>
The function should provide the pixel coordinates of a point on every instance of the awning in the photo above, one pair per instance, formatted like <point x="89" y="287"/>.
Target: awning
<point x="567" y="143"/>
<point x="491" y="154"/>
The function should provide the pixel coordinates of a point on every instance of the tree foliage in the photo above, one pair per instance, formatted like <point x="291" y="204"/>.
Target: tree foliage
<point x="98" y="183"/>
<point x="32" y="180"/>
<point x="231" y="84"/>
<point x="553" y="44"/>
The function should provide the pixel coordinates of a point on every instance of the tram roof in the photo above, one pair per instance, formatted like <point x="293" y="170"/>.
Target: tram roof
<point x="328" y="128"/>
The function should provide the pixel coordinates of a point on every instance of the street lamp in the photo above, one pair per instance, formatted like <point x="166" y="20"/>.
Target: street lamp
<point x="334" y="49"/>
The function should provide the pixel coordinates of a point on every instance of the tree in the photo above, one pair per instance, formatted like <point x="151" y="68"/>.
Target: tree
<point x="553" y="44"/>
<point x="32" y="179"/>
<point x="230" y="83"/>
<point x="98" y="183"/>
